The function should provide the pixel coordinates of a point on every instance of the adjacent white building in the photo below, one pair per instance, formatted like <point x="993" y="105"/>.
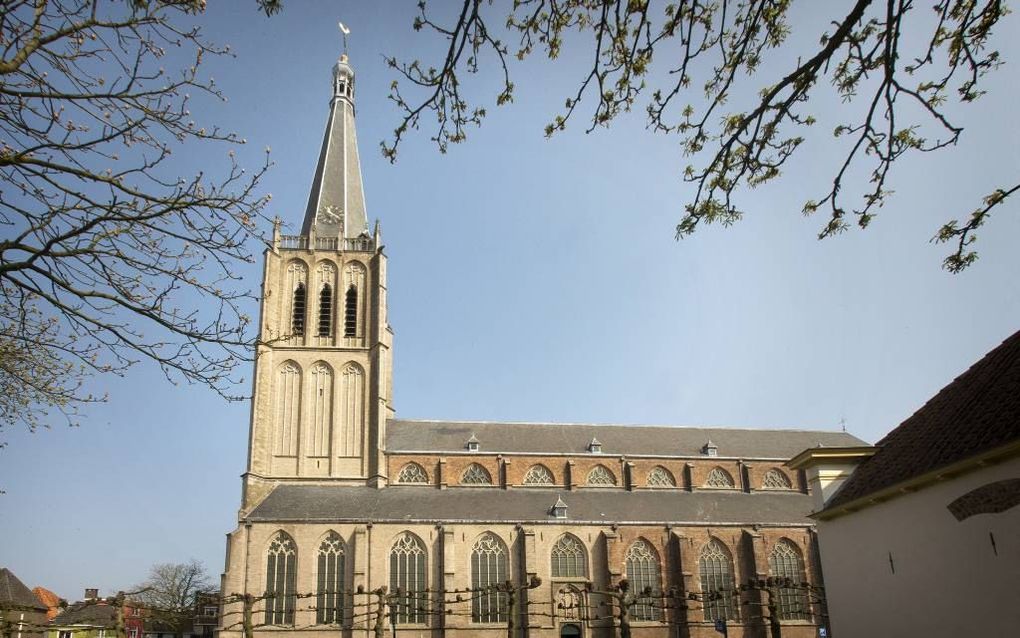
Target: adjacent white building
<point x="920" y="535"/>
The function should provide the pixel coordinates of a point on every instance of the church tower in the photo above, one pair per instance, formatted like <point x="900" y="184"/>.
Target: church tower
<point x="323" y="372"/>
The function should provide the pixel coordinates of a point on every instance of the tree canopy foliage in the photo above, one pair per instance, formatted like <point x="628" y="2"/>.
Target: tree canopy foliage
<point x="709" y="51"/>
<point x="170" y="593"/>
<point x="108" y="254"/>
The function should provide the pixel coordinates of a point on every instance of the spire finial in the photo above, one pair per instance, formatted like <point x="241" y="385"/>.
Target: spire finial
<point x="345" y="31"/>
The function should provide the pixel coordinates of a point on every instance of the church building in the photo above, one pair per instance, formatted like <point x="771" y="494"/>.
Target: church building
<point x="357" y="523"/>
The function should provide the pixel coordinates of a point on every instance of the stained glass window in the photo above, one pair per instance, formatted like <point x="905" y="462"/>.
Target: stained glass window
<point x="719" y="478"/>
<point x="643" y="573"/>
<point x="538" y="475"/>
<point x="488" y="568"/>
<point x="716" y="567"/>
<point x="407" y="575"/>
<point x="412" y="473"/>
<point x="775" y="480"/>
<point x="569" y="558"/>
<point x="475" y="474"/>
<point x="785" y="562"/>
<point x="281" y="580"/>
<point x="600" y="475"/>
<point x="661" y="477"/>
<point x="330" y="581"/>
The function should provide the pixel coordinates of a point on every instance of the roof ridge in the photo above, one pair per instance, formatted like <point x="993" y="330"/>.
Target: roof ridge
<point x="617" y="425"/>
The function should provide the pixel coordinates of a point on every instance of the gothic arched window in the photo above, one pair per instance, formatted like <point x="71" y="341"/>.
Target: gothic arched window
<point x="297" y="318"/>
<point x="412" y="473"/>
<point x="661" y="477"/>
<point x="330" y="584"/>
<point x="475" y="474"/>
<point x="569" y="558"/>
<point x="716" y="567"/>
<point x="407" y="575"/>
<point x="281" y="580"/>
<point x="488" y="568"/>
<point x="600" y="475"/>
<point x="538" y="475"/>
<point x="643" y="573"/>
<point x="325" y="310"/>
<point x="719" y="478"/>
<point x="351" y="312"/>
<point x="785" y="562"/>
<point x="776" y="480"/>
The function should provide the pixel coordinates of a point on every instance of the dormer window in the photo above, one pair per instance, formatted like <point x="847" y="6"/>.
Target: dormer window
<point x="710" y="449"/>
<point x="559" y="510"/>
<point x="472" y="444"/>
<point x="595" y="447"/>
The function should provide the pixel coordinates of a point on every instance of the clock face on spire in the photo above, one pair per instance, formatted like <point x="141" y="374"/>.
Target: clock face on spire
<point x="329" y="215"/>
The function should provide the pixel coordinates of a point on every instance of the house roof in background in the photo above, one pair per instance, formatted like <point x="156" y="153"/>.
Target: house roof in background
<point x="91" y="613"/>
<point x="14" y="593"/>
<point x="977" y="413"/>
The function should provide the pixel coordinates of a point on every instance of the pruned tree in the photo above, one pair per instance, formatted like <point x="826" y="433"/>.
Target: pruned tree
<point x="113" y="251"/>
<point x="169" y="595"/>
<point x="700" y="56"/>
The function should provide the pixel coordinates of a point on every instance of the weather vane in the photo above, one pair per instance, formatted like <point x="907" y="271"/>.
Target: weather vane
<point x="345" y="31"/>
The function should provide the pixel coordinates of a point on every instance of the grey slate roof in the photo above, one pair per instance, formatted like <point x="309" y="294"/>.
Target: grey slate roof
<point x="329" y="503"/>
<point x="15" y="594"/>
<point x="337" y="180"/>
<point x="571" y="438"/>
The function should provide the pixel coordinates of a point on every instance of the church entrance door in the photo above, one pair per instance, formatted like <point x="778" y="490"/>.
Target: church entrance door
<point x="570" y="631"/>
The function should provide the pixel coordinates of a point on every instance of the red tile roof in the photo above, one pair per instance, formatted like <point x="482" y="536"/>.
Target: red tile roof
<point x="48" y="598"/>
<point x="976" y="413"/>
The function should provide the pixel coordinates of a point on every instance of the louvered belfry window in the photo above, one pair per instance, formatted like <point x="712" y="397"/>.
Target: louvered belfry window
<point x="281" y="580"/>
<point x="330" y="581"/>
<point x="488" y="568"/>
<point x="568" y="558"/>
<point x="351" y="312"/>
<point x="297" y="319"/>
<point x="785" y="562"/>
<point x="325" y="310"/>
<point x="716" y="569"/>
<point x="407" y="579"/>
<point x="643" y="573"/>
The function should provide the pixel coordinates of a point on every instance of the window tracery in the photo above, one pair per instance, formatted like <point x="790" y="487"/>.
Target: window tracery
<point x="600" y="475"/>
<point x="538" y="475"/>
<point x="643" y="573"/>
<point x="719" y="478"/>
<point x="716" y="567"/>
<point x="281" y="580"/>
<point x="488" y="568"/>
<point x="569" y="558"/>
<point x="785" y="562"/>
<point x="412" y="473"/>
<point x="407" y="576"/>
<point x="660" y="477"/>
<point x="475" y="474"/>
<point x="776" y="480"/>
<point x="329" y="607"/>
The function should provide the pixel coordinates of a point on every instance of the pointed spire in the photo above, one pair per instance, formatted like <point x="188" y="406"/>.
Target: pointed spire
<point x="336" y="204"/>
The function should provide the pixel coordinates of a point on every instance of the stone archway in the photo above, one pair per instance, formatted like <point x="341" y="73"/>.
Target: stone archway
<point x="570" y="630"/>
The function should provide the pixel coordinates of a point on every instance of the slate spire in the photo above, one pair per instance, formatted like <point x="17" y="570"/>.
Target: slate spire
<point x="336" y="203"/>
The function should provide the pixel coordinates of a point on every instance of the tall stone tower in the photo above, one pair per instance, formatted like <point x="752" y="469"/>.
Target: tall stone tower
<point x="323" y="372"/>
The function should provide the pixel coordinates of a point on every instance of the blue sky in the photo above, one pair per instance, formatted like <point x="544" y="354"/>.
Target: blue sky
<point x="538" y="280"/>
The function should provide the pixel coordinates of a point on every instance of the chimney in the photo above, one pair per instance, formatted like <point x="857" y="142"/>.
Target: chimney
<point x="91" y="593"/>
